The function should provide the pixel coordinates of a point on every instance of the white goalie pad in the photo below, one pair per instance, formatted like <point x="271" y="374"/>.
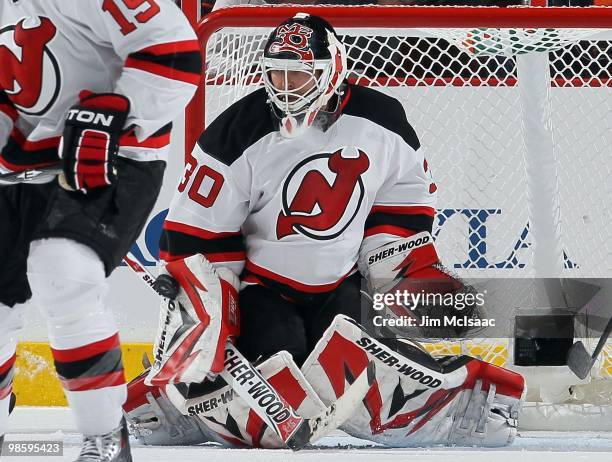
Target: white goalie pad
<point x="195" y="327"/>
<point x="416" y="400"/>
<point x="154" y="421"/>
<point x="228" y="417"/>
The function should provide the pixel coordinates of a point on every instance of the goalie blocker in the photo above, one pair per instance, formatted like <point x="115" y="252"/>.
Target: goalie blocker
<point x="415" y="400"/>
<point x="195" y="327"/>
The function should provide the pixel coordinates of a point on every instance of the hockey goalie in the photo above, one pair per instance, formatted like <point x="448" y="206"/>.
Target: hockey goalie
<point x="291" y="198"/>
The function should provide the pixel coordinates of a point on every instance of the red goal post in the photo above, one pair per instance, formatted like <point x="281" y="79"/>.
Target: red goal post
<point x="512" y="106"/>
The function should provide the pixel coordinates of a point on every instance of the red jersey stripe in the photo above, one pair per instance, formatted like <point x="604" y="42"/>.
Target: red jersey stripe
<point x="225" y="256"/>
<point x="211" y="257"/>
<point x="154" y="142"/>
<point x="94" y="383"/>
<point x="163" y="71"/>
<point x="405" y="209"/>
<point x="86" y="351"/>
<point x="172" y="47"/>
<point x="197" y="232"/>
<point x="299" y="286"/>
<point x="34" y="145"/>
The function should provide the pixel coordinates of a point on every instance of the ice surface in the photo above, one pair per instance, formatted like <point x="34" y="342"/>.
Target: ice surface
<point x="43" y="423"/>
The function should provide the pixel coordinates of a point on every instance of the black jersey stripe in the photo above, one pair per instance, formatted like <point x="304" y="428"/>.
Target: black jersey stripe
<point x="411" y="222"/>
<point x="177" y="243"/>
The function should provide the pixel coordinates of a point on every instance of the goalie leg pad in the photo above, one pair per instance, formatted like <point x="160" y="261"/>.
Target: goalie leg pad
<point x="416" y="400"/>
<point x="153" y="420"/>
<point x="230" y="419"/>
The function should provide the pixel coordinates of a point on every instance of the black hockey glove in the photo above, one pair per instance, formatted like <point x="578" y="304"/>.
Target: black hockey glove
<point x="90" y="141"/>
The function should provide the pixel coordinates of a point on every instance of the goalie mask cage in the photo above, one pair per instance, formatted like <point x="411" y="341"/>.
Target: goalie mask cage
<point x="513" y="107"/>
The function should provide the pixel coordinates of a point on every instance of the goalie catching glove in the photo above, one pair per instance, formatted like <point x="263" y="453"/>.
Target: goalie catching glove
<point x="195" y="327"/>
<point x="90" y="141"/>
<point x="407" y="277"/>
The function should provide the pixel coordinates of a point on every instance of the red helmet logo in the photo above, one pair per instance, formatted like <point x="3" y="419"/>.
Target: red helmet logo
<point x="295" y="39"/>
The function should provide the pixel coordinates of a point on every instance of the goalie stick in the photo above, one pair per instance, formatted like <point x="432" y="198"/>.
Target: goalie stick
<point x="293" y="429"/>
<point x="580" y="361"/>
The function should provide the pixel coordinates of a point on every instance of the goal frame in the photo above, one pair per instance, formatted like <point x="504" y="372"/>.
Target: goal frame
<point x="385" y="17"/>
<point x="409" y="17"/>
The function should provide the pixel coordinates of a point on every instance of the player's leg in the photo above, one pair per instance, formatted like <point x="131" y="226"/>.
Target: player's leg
<point x="416" y="400"/>
<point x="21" y="207"/>
<point x="12" y="319"/>
<point x="269" y="324"/>
<point x="81" y="240"/>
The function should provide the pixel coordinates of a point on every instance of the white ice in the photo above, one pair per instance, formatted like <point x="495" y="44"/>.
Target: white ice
<point x="55" y="424"/>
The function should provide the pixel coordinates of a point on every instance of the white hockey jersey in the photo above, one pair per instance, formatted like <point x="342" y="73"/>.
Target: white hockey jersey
<point x="51" y="50"/>
<point x="296" y="213"/>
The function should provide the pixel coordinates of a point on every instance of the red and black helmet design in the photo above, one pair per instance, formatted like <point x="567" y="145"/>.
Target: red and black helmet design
<point x="306" y="44"/>
<point x="301" y="37"/>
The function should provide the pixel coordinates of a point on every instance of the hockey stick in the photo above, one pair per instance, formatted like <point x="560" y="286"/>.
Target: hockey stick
<point x="27" y="176"/>
<point x="271" y="407"/>
<point x="580" y="361"/>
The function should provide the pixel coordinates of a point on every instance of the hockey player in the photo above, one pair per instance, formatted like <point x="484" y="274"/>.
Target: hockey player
<point x="302" y="189"/>
<point x="93" y="86"/>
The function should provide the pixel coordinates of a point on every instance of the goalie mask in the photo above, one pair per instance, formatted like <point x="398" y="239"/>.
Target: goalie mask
<point x="309" y="65"/>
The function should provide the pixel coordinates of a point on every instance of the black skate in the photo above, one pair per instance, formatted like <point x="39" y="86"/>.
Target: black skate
<point x="111" y="447"/>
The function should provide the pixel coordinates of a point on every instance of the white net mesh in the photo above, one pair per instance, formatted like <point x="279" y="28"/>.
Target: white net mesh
<point x="464" y="93"/>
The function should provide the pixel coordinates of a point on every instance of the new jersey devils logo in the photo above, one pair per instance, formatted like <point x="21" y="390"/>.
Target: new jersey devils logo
<point x="29" y="72"/>
<point x="322" y="195"/>
<point x="295" y="39"/>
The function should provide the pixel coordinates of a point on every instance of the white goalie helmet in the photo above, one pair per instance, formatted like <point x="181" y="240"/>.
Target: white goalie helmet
<point x="309" y="45"/>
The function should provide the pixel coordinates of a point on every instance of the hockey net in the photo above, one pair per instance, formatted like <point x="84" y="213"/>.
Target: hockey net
<point x="514" y="109"/>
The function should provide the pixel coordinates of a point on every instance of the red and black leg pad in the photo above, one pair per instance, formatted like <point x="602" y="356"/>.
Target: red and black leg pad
<point x="90" y="367"/>
<point x="90" y="141"/>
